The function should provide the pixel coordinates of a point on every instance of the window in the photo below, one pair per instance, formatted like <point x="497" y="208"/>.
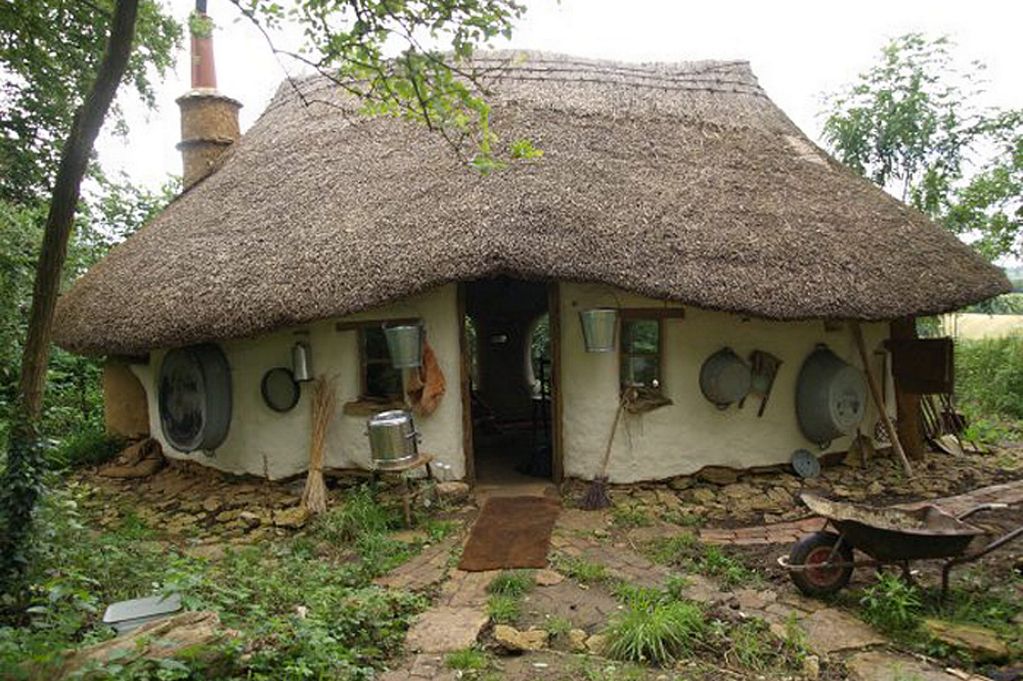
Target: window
<point x="642" y="331"/>
<point x="380" y="380"/>
<point x="641" y="352"/>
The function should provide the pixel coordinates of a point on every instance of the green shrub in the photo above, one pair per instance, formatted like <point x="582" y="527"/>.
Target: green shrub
<point x="656" y="634"/>
<point x="891" y="605"/>
<point x="359" y="515"/>
<point x="513" y="583"/>
<point x="989" y="376"/>
<point x="88" y="447"/>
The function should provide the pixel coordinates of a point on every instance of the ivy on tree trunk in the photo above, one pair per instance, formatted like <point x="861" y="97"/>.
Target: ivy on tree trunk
<point x="21" y="482"/>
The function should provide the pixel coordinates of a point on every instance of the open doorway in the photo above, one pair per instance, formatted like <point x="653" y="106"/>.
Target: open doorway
<point x="511" y="387"/>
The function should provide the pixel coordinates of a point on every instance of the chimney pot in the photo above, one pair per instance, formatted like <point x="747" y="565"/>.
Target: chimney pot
<point x="209" y="120"/>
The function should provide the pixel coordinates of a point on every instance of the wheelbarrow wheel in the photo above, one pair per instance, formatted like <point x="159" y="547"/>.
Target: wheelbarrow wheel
<point x="815" y="549"/>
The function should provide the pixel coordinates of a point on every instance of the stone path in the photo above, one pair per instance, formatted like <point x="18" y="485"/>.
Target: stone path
<point x="786" y="533"/>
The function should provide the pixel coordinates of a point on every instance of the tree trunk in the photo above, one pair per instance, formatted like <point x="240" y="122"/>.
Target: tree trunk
<point x="22" y="476"/>
<point x="911" y="431"/>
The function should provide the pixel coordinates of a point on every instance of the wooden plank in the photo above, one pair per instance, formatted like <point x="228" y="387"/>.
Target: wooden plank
<point x="465" y="386"/>
<point x="653" y="313"/>
<point x="355" y="326"/>
<point x="557" y="403"/>
<point x="907" y="403"/>
<point x="875" y="391"/>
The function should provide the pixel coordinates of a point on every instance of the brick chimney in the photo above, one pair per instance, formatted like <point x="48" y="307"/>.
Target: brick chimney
<point x="209" y="120"/>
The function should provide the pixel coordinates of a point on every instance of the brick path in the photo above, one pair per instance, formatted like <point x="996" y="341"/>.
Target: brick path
<point x="786" y="533"/>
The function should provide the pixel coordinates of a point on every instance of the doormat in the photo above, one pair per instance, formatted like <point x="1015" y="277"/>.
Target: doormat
<point x="511" y="532"/>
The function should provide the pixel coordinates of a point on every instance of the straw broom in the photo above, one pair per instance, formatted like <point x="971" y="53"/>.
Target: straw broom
<point x="596" y="495"/>
<point x="314" y="497"/>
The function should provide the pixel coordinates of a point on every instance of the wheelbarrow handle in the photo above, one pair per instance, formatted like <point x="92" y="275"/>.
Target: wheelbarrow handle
<point x="982" y="507"/>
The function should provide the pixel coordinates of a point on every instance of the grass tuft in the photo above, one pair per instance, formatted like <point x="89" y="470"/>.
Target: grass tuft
<point x="656" y="634"/>
<point x="467" y="660"/>
<point x="503" y="609"/>
<point x="514" y="583"/>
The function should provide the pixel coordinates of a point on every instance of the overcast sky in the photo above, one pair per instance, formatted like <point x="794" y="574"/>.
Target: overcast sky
<point x="799" y="50"/>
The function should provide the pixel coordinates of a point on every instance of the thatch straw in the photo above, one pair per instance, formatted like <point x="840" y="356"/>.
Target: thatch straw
<point x="314" y="497"/>
<point x="683" y="182"/>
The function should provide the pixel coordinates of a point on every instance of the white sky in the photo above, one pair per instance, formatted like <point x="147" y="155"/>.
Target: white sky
<point x="798" y="49"/>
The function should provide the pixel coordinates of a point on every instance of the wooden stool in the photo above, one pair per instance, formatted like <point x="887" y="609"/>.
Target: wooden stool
<point x="409" y="494"/>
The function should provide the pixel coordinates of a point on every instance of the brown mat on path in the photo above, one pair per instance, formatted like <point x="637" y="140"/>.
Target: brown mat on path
<point x="511" y="532"/>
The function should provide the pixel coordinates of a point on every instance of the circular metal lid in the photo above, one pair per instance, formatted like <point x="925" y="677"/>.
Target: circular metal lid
<point x="194" y="398"/>
<point x="279" y="389"/>
<point x="394" y="417"/>
<point x="805" y="464"/>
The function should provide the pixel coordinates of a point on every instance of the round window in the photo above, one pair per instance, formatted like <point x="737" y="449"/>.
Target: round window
<point x="195" y="398"/>
<point x="280" y="390"/>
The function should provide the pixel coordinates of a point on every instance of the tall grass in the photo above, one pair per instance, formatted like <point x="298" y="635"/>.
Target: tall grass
<point x="989" y="376"/>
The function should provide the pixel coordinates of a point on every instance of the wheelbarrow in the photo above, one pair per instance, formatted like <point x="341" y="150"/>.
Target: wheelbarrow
<point x="822" y="563"/>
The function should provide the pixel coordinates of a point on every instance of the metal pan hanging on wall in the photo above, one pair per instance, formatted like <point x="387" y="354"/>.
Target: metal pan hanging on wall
<point x="725" y="378"/>
<point x="194" y="396"/>
<point x="280" y="390"/>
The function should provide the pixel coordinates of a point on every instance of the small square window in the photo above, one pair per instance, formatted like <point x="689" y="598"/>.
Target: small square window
<point x="380" y="380"/>
<point x="641" y="353"/>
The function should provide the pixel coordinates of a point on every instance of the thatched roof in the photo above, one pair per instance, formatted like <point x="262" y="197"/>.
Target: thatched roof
<point x="680" y="181"/>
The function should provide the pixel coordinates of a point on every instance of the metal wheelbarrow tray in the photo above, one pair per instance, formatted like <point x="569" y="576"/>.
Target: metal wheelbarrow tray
<point x="822" y="563"/>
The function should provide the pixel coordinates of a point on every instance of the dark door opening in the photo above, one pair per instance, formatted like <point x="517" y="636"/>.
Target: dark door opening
<point x="508" y="343"/>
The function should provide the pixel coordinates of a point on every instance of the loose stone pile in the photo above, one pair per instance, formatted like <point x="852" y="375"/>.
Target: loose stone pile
<point x="723" y="496"/>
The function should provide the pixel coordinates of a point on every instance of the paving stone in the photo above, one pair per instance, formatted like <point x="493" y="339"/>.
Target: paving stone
<point x="422" y="571"/>
<point x="829" y="630"/>
<point x="464" y="589"/>
<point x="886" y="666"/>
<point x="548" y="577"/>
<point x="982" y="644"/>
<point x="703" y="590"/>
<point x="578" y="520"/>
<point x="520" y="641"/>
<point x="445" y="628"/>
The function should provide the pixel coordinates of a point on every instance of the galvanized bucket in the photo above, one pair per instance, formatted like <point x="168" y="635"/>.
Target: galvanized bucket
<point x="405" y="344"/>
<point x="393" y="439"/>
<point x="301" y="362"/>
<point x="600" y="326"/>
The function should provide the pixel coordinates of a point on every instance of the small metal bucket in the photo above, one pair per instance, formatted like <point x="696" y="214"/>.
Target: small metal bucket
<point x="600" y="326"/>
<point x="301" y="362"/>
<point x="393" y="440"/>
<point x="405" y="345"/>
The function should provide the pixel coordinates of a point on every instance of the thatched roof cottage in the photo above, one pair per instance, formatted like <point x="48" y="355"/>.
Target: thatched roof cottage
<point x="730" y="247"/>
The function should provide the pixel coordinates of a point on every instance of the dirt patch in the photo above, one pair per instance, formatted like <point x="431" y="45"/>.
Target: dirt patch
<point x="586" y="608"/>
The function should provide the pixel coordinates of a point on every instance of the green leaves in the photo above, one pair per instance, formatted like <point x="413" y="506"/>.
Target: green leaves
<point x="50" y="51"/>
<point x="911" y="125"/>
<point x="406" y="58"/>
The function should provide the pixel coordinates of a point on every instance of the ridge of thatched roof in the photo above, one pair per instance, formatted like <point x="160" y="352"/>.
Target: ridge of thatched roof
<point x="676" y="181"/>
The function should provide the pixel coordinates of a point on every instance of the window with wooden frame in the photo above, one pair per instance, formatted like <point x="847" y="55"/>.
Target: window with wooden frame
<point x="641" y="346"/>
<point x="379" y="381"/>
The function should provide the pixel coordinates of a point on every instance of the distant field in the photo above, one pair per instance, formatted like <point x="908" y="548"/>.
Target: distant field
<point x="972" y="325"/>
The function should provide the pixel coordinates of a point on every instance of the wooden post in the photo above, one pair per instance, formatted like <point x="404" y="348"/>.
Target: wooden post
<point x="875" y="391"/>
<point x="557" y="404"/>
<point x="465" y="385"/>
<point x="909" y="425"/>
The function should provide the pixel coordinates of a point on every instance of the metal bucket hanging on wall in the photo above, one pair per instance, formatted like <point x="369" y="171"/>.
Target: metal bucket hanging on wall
<point x="301" y="362"/>
<point x="600" y="325"/>
<point x="405" y="345"/>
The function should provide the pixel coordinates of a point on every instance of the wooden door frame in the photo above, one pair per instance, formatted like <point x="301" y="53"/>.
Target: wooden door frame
<point x="557" y="409"/>
<point x="465" y="384"/>
<point x="557" y="404"/>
